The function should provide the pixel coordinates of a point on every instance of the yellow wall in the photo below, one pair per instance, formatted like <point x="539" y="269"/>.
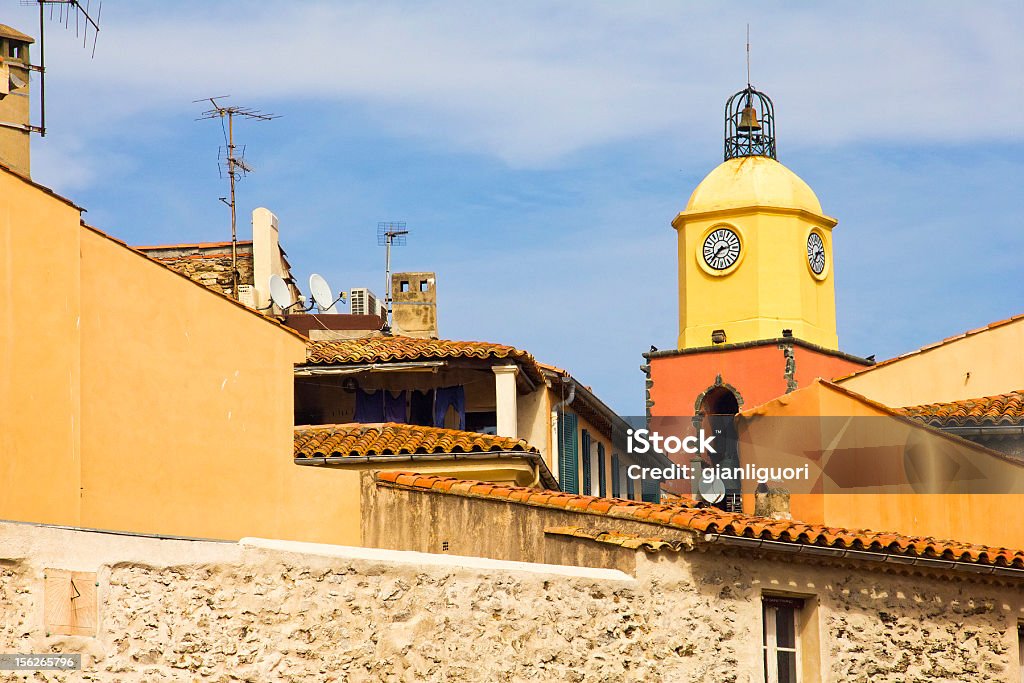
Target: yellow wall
<point x="188" y="405"/>
<point x="40" y="416"/>
<point x="985" y="363"/>
<point x="771" y="287"/>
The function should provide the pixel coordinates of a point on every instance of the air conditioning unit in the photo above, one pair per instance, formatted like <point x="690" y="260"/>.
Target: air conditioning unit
<point x="364" y="302"/>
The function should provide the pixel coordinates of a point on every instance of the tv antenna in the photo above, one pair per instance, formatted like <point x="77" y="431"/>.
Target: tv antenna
<point x="234" y="162"/>
<point x="84" y="25"/>
<point x="389" y="235"/>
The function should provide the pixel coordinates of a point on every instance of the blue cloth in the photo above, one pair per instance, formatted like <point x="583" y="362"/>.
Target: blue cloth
<point x="394" y="407"/>
<point x="369" y="406"/>
<point x="450" y="397"/>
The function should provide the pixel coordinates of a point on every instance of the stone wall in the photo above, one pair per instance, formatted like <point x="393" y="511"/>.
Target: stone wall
<point x="209" y="265"/>
<point x="259" y="610"/>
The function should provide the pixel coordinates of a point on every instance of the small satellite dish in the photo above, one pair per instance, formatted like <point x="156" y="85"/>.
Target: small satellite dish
<point x="322" y="295"/>
<point x="279" y="292"/>
<point x="711" y="491"/>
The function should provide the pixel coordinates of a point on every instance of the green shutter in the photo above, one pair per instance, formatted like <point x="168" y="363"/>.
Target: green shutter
<point x="585" y="448"/>
<point x="650" y="490"/>
<point x="568" y="453"/>
<point x="616" y="476"/>
<point x="602" y="471"/>
<point x="630" y="491"/>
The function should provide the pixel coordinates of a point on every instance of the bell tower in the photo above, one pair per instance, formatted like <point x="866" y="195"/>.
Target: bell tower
<point x="14" y="99"/>
<point x="755" y="248"/>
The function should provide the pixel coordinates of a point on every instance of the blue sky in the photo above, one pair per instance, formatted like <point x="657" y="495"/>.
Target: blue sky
<point x="538" y="151"/>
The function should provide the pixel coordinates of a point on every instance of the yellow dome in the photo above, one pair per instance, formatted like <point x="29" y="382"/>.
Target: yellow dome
<point x="752" y="181"/>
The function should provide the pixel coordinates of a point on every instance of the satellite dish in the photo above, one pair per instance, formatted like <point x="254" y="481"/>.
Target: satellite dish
<point x="711" y="491"/>
<point x="279" y="292"/>
<point x="322" y="295"/>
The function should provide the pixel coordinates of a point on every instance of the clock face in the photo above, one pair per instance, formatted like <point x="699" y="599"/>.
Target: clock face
<point x="816" y="253"/>
<point x="721" y="248"/>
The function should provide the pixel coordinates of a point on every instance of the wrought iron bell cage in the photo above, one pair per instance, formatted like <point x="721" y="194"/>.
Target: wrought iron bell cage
<point x="749" y="125"/>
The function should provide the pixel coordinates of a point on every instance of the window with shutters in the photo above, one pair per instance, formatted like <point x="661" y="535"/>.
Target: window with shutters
<point x="780" y="622"/>
<point x="630" y="490"/>
<point x="616" y="477"/>
<point x="602" y="472"/>
<point x="568" y="453"/>
<point x="585" y="450"/>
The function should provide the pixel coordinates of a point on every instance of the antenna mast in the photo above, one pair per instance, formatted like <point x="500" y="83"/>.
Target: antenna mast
<point x="388" y="235"/>
<point x="235" y="164"/>
<point x="84" y="23"/>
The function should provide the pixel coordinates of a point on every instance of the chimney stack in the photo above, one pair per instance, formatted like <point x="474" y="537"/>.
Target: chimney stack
<point x="15" y="130"/>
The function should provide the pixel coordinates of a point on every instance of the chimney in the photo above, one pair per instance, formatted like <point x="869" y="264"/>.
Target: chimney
<point x="414" y="301"/>
<point x="15" y="129"/>
<point x="266" y="254"/>
<point x="772" y="502"/>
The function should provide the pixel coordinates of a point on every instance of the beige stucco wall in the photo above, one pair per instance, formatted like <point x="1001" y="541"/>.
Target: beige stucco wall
<point x="982" y="364"/>
<point x="256" y="611"/>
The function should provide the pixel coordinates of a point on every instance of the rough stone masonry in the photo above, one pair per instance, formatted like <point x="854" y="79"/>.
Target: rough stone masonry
<point x="177" y="610"/>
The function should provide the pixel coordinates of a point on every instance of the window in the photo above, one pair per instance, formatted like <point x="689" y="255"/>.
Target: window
<point x="404" y="286"/>
<point x="424" y="286"/>
<point x="780" y="644"/>
<point x="568" y="453"/>
<point x="1020" y="649"/>
<point x="585" y="449"/>
<point x="616" y="477"/>
<point x="602" y="472"/>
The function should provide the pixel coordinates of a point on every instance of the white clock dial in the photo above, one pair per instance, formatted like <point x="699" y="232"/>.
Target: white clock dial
<point x="816" y="253"/>
<point x="721" y="248"/>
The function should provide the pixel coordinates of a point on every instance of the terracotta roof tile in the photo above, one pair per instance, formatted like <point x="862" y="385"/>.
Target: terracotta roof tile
<point x="632" y="541"/>
<point x="1002" y="409"/>
<point x="398" y="348"/>
<point x="360" y="440"/>
<point x="712" y="520"/>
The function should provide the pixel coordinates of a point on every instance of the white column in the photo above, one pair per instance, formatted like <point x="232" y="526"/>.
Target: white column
<point x="505" y="399"/>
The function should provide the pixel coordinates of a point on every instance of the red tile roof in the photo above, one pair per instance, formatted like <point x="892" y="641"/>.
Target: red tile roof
<point x="631" y="541"/>
<point x="1002" y="409"/>
<point x="360" y="440"/>
<point x="712" y="520"/>
<point x="929" y="347"/>
<point x="398" y="349"/>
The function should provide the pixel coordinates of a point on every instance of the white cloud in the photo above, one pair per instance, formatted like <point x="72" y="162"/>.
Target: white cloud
<point x="533" y="82"/>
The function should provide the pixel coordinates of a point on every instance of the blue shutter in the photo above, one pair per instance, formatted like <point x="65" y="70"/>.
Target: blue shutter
<point x="568" y="453"/>
<point x="585" y="447"/>
<point x="602" y="471"/>
<point x="616" y="475"/>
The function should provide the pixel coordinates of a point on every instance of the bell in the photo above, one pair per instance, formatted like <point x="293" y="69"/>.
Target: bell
<point x="748" y="120"/>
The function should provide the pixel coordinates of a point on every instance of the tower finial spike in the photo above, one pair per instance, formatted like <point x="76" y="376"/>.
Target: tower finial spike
<point x="748" y="55"/>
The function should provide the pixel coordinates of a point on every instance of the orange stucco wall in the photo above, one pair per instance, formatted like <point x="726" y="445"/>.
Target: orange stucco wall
<point x="984" y="363"/>
<point x="758" y="373"/>
<point x="187" y="404"/>
<point x="39" y="354"/>
<point x="132" y="398"/>
<point x="977" y="518"/>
